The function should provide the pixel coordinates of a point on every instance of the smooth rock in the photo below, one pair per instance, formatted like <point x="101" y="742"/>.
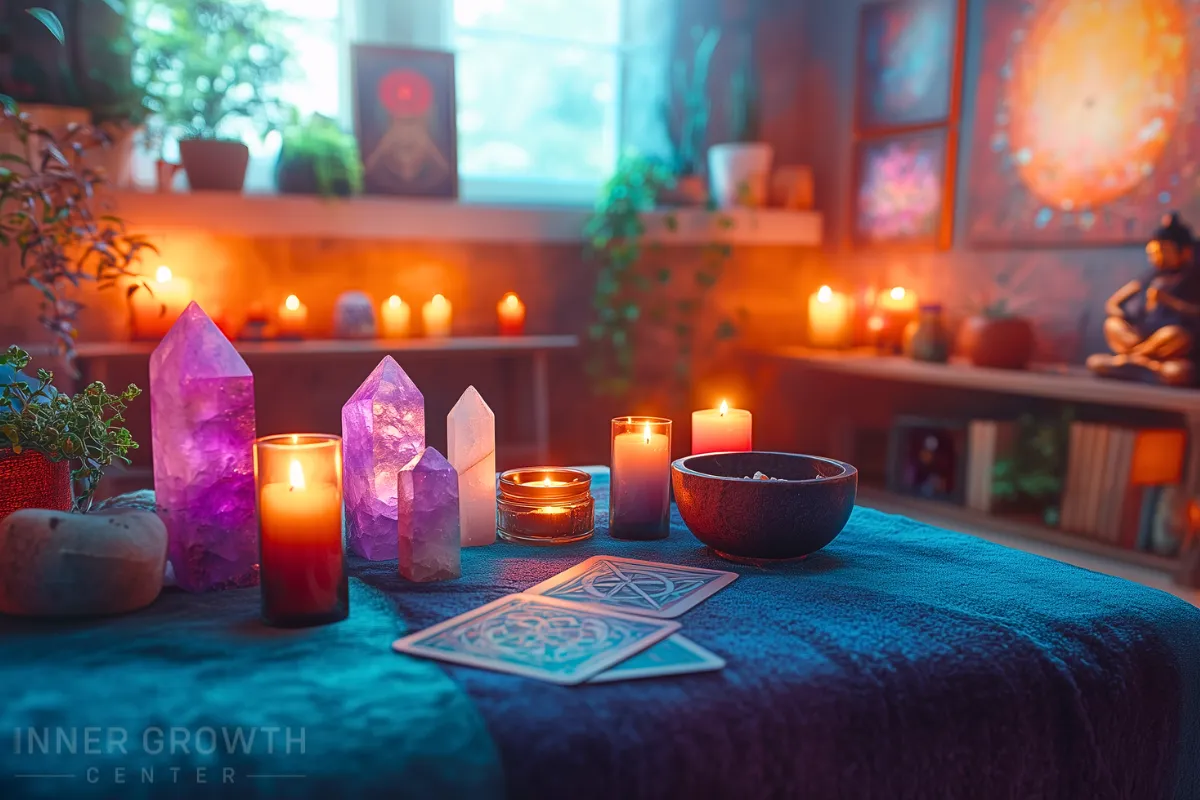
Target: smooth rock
<point x="430" y="542"/>
<point x="354" y="316"/>
<point x="57" y="564"/>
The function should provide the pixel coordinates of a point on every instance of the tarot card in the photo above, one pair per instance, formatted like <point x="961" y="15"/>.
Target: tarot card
<point x="636" y="587"/>
<point x="676" y="655"/>
<point x="538" y="637"/>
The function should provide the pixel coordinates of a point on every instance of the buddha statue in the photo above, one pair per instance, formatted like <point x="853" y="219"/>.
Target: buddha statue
<point x="1153" y="321"/>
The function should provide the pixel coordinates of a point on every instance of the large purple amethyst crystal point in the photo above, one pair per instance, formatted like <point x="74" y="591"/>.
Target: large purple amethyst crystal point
<point x="430" y="542"/>
<point x="383" y="428"/>
<point x="202" y="427"/>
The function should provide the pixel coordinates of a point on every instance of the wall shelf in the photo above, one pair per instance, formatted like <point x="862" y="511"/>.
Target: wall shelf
<point x="261" y="215"/>
<point x="87" y="351"/>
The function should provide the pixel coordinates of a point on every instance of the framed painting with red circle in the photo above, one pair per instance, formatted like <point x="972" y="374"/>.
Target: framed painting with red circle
<point x="406" y="93"/>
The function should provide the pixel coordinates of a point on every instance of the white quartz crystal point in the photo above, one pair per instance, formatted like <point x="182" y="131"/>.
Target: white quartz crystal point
<point x="471" y="445"/>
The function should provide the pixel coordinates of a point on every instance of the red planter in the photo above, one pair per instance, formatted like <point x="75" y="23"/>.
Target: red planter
<point x="1000" y="343"/>
<point x="31" y="480"/>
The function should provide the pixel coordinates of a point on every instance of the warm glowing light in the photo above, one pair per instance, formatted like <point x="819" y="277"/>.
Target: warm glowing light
<point x="724" y="408"/>
<point x="438" y="301"/>
<point x="646" y="433"/>
<point x="295" y="438"/>
<point x="163" y="275"/>
<point x="296" y="476"/>
<point x="875" y="323"/>
<point x="394" y="301"/>
<point x="897" y="293"/>
<point x="824" y="294"/>
<point x="511" y="300"/>
<point x="292" y="303"/>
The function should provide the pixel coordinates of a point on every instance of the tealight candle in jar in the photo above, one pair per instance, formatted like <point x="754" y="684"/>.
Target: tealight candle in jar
<point x="395" y="317"/>
<point x="545" y="505"/>
<point x="292" y="319"/>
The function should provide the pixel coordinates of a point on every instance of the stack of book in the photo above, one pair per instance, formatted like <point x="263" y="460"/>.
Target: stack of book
<point x="988" y="440"/>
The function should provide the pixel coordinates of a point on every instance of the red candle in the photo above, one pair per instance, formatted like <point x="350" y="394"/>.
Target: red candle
<point x="721" y="430"/>
<point x="302" y="567"/>
<point x="511" y="312"/>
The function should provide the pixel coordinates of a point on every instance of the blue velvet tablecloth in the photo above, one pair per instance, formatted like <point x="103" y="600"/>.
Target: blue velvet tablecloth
<point x="901" y="661"/>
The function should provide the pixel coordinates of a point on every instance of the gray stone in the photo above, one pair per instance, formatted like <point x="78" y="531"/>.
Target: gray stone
<point x="55" y="564"/>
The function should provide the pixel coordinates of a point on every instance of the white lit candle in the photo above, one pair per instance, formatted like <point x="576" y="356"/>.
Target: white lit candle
<point x="436" y="316"/>
<point x="641" y="468"/>
<point x="829" y="318"/>
<point x="155" y="311"/>
<point x="396" y="317"/>
<point x="721" y="430"/>
<point x="292" y="319"/>
<point x="511" y="312"/>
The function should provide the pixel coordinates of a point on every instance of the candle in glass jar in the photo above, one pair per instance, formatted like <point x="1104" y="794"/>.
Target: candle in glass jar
<point x="436" y="316"/>
<point x="511" y="312"/>
<point x="896" y="308"/>
<point x="292" y="319"/>
<point x="302" y="567"/>
<point x="395" y="316"/>
<point x="155" y="311"/>
<point x="640" y="497"/>
<point x="721" y="430"/>
<point x="828" y="318"/>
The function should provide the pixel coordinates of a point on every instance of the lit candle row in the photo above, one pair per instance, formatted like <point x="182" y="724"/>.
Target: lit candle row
<point x="831" y="317"/>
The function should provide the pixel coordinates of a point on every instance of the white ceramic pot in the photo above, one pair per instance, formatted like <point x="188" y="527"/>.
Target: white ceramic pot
<point x="740" y="173"/>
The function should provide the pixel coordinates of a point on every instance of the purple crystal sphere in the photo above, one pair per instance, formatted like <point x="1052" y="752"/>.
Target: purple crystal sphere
<point x="383" y="428"/>
<point x="430" y="542"/>
<point x="202" y="427"/>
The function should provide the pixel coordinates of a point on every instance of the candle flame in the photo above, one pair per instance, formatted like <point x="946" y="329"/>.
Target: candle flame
<point x="394" y="301"/>
<point x="646" y="433"/>
<point x="511" y="300"/>
<point x="875" y="323"/>
<point x="163" y="274"/>
<point x="295" y="438"/>
<point x="897" y="293"/>
<point x="296" y="476"/>
<point x="724" y="408"/>
<point x="438" y="300"/>
<point x="824" y="294"/>
<point x="545" y="480"/>
<point x="292" y="303"/>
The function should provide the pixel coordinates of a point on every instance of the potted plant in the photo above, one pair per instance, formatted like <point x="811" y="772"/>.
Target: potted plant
<point x="213" y="70"/>
<point x="49" y="439"/>
<point x="996" y="336"/>
<point x="740" y="170"/>
<point x="687" y="129"/>
<point x="318" y="157"/>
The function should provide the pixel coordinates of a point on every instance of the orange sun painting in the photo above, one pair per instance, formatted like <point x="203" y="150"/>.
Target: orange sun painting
<point x="1085" y="121"/>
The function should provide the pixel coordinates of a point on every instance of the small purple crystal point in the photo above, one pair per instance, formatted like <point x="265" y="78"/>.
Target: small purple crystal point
<point x="430" y="543"/>
<point x="383" y="428"/>
<point x="202" y="427"/>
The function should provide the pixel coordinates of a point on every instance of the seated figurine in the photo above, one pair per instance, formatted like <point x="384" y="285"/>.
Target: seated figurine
<point x="1153" y="322"/>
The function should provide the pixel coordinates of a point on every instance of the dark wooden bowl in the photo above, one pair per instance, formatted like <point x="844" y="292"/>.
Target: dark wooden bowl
<point x="743" y="519"/>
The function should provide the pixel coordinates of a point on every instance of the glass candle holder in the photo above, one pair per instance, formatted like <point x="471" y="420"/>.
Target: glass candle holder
<point x="639" y="501"/>
<point x="302" y="564"/>
<point x="545" y="505"/>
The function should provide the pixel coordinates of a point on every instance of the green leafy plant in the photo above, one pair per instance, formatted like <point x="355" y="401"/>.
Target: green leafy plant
<point x="688" y="130"/>
<point x="46" y="212"/>
<point x="1031" y="478"/>
<point x="636" y="287"/>
<point x="319" y="156"/>
<point x="207" y="62"/>
<point x="1009" y="290"/>
<point x="84" y="429"/>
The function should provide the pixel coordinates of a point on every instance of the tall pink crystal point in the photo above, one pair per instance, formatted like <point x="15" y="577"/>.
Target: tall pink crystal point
<point x="383" y="428"/>
<point x="430" y="543"/>
<point x="202" y="427"/>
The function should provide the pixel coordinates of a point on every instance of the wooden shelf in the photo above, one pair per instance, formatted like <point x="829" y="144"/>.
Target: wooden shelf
<point x="1051" y="381"/>
<point x="952" y="517"/>
<point x="261" y="215"/>
<point x="452" y="344"/>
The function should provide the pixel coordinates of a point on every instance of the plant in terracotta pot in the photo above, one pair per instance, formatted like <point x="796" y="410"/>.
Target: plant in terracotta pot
<point x="997" y="337"/>
<point x="686" y="116"/>
<point x="318" y="157"/>
<point x="49" y="439"/>
<point x="213" y="69"/>
<point x="740" y="169"/>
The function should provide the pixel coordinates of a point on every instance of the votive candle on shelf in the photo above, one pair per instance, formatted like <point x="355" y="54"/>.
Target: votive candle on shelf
<point x="292" y="319"/>
<point x="829" y="318"/>
<point x="436" y="316"/>
<point x="639" y="500"/>
<point x="302" y="567"/>
<point x="545" y="505"/>
<point x="896" y="307"/>
<point x="721" y="430"/>
<point x="395" y="318"/>
<point x="511" y="313"/>
<point x="153" y="312"/>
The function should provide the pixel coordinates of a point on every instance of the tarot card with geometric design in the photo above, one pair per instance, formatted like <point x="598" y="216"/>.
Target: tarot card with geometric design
<point x="538" y="637"/>
<point x="648" y="588"/>
<point x="676" y="655"/>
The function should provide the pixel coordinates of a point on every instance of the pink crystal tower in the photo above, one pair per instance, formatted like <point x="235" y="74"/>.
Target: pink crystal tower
<point x="383" y="428"/>
<point x="430" y="542"/>
<point x="202" y="426"/>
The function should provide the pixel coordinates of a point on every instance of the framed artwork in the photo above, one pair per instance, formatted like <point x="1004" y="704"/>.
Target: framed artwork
<point x="928" y="458"/>
<point x="909" y="64"/>
<point x="903" y="191"/>
<point x="404" y="119"/>
<point x="1086" y="121"/>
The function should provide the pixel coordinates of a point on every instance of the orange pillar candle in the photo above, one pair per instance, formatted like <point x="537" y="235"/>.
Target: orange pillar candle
<point x="154" y="312"/>
<point x="396" y="317"/>
<point x="721" y="430"/>
<point x="292" y="319"/>
<point x="829" y="318"/>
<point x="896" y="308"/>
<point x="436" y="316"/>
<point x="511" y="312"/>
<point x="302" y="566"/>
<point x="639" y="502"/>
